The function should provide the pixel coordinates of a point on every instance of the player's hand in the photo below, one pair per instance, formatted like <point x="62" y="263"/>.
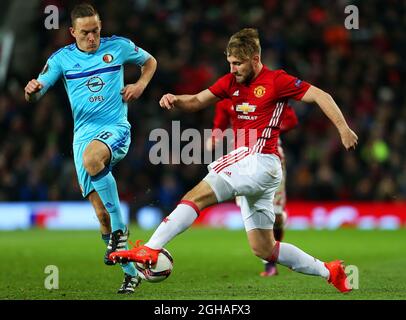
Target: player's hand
<point x="33" y="87"/>
<point x="349" y="139"/>
<point x="132" y="91"/>
<point x="168" y="101"/>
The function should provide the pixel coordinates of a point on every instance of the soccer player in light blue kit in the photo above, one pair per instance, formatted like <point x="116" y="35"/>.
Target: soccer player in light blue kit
<point x="92" y="72"/>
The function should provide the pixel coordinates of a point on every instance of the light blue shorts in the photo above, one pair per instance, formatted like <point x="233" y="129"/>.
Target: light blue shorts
<point x="116" y="138"/>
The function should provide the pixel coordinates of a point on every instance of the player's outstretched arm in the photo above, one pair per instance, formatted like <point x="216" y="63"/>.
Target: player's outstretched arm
<point x="32" y="89"/>
<point x="330" y="108"/>
<point x="135" y="90"/>
<point x="188" y="102"/>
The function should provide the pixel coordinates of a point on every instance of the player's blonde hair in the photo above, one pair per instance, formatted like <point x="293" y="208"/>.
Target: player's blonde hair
<point x="244" y="44"/>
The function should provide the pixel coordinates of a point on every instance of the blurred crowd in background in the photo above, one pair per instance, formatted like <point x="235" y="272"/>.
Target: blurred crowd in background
<point x="362" y="69"/>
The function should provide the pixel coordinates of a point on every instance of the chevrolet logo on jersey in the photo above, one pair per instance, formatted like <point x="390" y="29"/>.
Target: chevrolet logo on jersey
<point x="245" y="108"/>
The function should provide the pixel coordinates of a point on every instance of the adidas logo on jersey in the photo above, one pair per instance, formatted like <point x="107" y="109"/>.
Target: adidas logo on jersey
<point x="228" y="173"/>
<point x="236" y="93"/>
<point x="77" y="66"/>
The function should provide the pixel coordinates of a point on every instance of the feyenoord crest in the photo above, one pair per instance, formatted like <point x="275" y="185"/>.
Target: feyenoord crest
<point x="259" y="91"/>
<point x="107" y="58"/>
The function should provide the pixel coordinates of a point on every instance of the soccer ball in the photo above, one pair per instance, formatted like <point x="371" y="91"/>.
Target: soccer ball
<point x="158" y="272"/>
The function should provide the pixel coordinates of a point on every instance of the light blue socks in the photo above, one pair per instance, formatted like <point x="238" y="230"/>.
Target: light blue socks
<point x="105" y="185"/>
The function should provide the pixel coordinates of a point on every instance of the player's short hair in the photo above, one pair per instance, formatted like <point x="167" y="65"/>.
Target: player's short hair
<point x="244" y="44"/>
<point x="81" y="11"/>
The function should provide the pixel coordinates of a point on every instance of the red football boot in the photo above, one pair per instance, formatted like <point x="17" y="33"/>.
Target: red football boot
<point x="139" y="253"/>
<point x="338" y="278"/>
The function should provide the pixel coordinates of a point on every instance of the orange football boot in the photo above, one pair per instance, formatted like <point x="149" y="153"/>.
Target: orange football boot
<point x="139" y="253"/>
<point x="338" y="278"/>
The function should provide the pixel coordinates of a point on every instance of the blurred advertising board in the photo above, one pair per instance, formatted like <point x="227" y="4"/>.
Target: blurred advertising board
<point x="301" y="215"/>
<point x="318" y="215"/>
<point x="51" y="215"/>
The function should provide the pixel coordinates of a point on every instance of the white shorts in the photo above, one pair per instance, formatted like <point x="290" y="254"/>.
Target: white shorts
<point x="254" y="177"/>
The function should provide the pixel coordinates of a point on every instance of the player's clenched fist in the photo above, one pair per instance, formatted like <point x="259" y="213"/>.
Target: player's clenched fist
<point x="349" y="139"/>
<point x="132" y="91"/>
<point x="33" y="86"/>
<point x="168" y="101"/>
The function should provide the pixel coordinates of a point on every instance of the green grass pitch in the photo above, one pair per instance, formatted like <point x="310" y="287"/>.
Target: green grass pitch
<point x="209" y="264"/>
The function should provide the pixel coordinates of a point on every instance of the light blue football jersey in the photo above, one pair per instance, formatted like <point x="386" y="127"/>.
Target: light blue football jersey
<point x="93" y="82"/>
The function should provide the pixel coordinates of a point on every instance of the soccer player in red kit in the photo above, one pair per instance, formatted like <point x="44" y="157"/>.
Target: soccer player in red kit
<point x="252" y="171"/>
<point x="224" y="116"/>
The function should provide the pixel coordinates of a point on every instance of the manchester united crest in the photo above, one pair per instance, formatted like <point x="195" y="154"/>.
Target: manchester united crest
<point x="259" y="91"/>
<point x="107" y="58"/>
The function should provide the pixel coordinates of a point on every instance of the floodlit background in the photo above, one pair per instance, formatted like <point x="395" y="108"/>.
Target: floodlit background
<point x="327" y="187"/>
<point x="363" y="70"/>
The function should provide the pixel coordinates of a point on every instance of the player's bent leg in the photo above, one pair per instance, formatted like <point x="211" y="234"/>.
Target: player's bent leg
<point x="261" y="242"/>
<point x="270" y="268"/>
<point x="101" y="213"/>
<point x="279" y="226"/>
<point x="95" y="157"/>
<point x="258" y="223"/>
<point x="178" y="221"/>
<point x="104" y="219"/>
<point x="114" y="241"/>
<point x="131" y="277"/>
<point x="95" y="160"/>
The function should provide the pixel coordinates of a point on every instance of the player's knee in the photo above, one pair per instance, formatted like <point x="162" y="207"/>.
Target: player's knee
<point x="201" y="195"/>
<point x="91" y="164"/>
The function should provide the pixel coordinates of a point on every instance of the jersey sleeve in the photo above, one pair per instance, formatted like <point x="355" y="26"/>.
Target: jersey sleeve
<point x="290" y="119"/>
<point x="51" y="72"/>
<point x="288" y="86"/>
<point x="134" y="54"/>
<point x="221" y="87"/>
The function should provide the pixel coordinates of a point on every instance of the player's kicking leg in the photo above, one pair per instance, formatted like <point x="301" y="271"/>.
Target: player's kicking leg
<point x="279" y="207"/>
<point x="178" y="221"/>
<point x="260" y="185"/>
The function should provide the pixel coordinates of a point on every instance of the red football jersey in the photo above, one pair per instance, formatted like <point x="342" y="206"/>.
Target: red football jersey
<point x="260" y="105"/>
<point x="224" y="115"/>
<point x="289" y="120"/>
